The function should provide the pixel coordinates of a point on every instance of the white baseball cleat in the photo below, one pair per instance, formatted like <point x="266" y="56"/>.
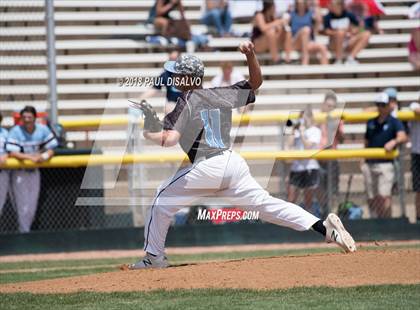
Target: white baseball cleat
<point x="150" y="261"/>
<point x="338" y="234"/>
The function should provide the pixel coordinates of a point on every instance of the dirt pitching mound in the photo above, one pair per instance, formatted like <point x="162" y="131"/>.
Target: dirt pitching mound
<point x="338" y="270"/>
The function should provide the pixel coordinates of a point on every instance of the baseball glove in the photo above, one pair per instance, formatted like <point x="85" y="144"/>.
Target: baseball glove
<point x="152" y="122"/>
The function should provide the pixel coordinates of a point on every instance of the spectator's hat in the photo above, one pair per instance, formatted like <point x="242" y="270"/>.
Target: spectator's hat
<point x="382" y="99"/>
<point x="186" y="65"/>
<point x="391" y="92"/>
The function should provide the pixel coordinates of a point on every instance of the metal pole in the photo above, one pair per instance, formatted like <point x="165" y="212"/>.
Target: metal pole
<point x="282" y="165"/>
<point x="398" y="162"/>
<point x="136" y="171"/>
<point x="330" y="138"/>
<point x="52" y="79"/>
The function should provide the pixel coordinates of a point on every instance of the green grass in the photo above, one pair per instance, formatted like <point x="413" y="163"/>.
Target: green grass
<point x="44" y="275"/>
<point x="67" y="268"/>
<point x="363" y="297"/>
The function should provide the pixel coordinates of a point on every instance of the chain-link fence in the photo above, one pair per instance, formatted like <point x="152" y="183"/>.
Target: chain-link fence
<point x="345" y="187"/>
<point x="63" y="204"/>
<point x="47" y="202"/>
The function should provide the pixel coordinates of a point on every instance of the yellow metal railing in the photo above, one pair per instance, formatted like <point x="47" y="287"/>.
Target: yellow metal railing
<point x="86" y="160"/>
<point x="257" y="118"/>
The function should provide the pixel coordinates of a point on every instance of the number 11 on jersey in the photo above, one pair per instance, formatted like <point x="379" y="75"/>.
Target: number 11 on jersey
<point x="212" y="132"/>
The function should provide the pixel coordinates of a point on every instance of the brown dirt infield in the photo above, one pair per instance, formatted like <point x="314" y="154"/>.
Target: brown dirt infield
<point x="366" y="267"/>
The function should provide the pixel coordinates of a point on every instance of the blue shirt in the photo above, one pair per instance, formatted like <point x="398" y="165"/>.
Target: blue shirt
<point x="3" y="138"/>
<point x="297" y="21"/>
<point x="172" y="93"/>
<point x="379" y="134"/>
<point x="19" y="140"/>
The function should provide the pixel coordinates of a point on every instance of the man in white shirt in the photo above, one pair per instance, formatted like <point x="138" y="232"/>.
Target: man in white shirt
<point x="415" y="155"/>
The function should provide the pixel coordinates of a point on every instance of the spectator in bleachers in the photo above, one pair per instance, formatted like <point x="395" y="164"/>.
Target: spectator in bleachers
<point x="366" y="16"/>
<point x="217" y="14"/>
<point x="345" y="32"/>
<point x="162" y="18"/>
<point x="414" y="44"/>
<point x="415" y="155"/>
<point x="302" y="25"/>
<point x="269" y="33"/>
<point x="384" y="131"/>
<point x="228" y="76"/>
<point x="304" y="174"/>
<point x="34" y="142"/>
<point x="4" y="174"/>
<point x="172" y="93"/>
<point x="332" y="133"/>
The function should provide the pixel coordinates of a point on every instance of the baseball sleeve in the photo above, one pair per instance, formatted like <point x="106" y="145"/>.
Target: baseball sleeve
<point x="49" y="141"/>
<point x="178" y="118"/>
<point x="12" y="142"/>
<point x="399" y="126"/>
<point x="244" y="94"/>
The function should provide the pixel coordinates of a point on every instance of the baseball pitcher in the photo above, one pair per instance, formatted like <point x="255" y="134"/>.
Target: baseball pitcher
<point x="201" y="124"/>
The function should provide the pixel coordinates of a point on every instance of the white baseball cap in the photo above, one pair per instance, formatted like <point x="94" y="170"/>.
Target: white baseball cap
<point x="382" y="98"/>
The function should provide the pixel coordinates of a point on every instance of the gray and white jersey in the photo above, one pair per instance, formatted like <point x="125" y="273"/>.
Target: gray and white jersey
<point x="203" y="117"/>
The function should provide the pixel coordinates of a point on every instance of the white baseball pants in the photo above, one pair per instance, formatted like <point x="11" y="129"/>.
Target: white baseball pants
<point x="4" y="187"/>
<point x="25" y="189"/>
<point x="227" y="176"/>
